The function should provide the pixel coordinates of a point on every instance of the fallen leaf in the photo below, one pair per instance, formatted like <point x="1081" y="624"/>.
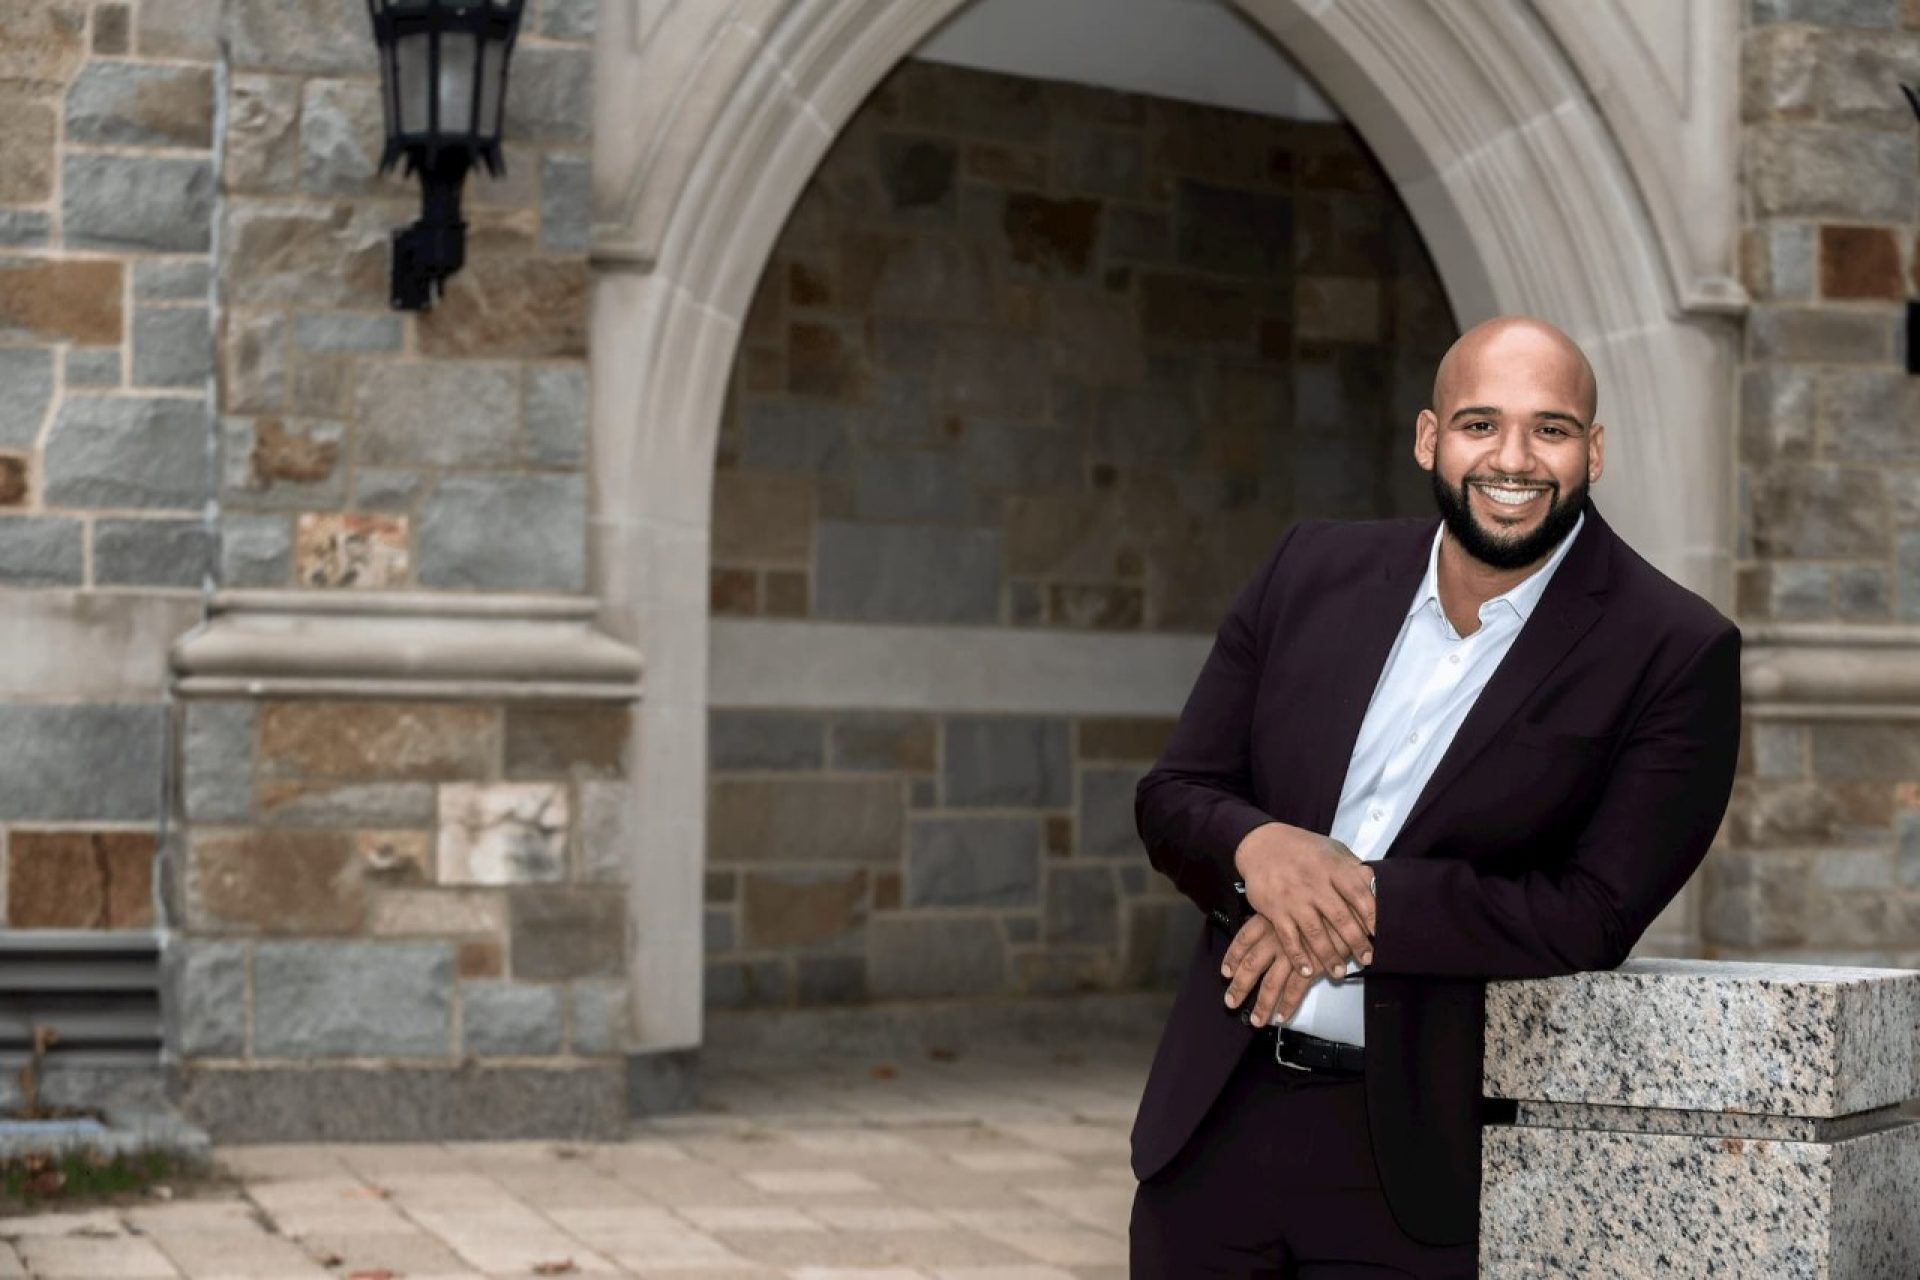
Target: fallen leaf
<point x="940" y="1054"/>
<point x="376" y="1273"/>
<point x="885" y="1072"/>
<point x="564" y="1267"/>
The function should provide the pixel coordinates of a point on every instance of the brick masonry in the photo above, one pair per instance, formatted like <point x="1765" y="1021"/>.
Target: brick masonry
<point x="1821" y="856"/>
<point x="1040" y="355"/>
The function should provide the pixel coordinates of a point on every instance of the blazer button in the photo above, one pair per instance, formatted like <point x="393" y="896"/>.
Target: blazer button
<point x="1221" y="918"/>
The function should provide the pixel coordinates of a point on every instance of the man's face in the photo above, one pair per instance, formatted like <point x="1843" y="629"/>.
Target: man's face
<point x="1510" y="448"/>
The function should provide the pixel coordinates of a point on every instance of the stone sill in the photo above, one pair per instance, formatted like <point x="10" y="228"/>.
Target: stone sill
<point x="403" y="645"/>
<point x="1831" y="670"/>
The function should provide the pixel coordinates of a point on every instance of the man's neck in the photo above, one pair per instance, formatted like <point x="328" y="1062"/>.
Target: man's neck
<point x="1466" y="583"/>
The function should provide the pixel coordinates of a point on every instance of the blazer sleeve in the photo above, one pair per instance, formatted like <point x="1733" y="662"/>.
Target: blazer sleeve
<point x="1659" y="810"/>
<point x="1195" y="805"/>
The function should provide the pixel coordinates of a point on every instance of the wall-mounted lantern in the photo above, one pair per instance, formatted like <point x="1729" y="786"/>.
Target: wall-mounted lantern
<point x="1913" y="304"/>
<point x="443" y="84"/>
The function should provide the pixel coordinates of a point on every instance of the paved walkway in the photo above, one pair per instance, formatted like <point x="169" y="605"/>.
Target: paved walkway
<point x="1001" y="1165"/>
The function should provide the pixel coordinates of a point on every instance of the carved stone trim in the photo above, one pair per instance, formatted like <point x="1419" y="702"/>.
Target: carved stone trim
<point x="1831" y="671"/>
<point x="411" y="645"/>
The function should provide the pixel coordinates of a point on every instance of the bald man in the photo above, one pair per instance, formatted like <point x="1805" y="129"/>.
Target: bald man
<point x="1422" y="754"/>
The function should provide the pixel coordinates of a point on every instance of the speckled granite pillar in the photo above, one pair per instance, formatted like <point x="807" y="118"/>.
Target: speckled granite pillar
<point x="1691" y="1118"/>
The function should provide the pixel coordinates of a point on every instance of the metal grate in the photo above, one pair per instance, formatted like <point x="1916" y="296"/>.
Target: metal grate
<point x="99" y="991"/>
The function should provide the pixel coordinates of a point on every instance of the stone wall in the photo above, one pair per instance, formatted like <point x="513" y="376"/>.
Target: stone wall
<point x="1034" y="354"/>
<point x="1029" y="354"/>
<point x="1824" y="833"/>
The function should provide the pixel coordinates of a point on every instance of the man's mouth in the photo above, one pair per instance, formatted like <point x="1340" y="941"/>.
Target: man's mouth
<point x="1511" y="495"/>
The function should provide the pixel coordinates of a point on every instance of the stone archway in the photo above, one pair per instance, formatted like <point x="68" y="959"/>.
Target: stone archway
<point x="1593" y="187"/>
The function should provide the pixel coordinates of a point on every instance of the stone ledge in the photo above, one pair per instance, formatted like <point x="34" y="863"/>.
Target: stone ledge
<point x="1831" y="670"/>
<point x="1696" y="1035"/>
<point x="403" y="644"/>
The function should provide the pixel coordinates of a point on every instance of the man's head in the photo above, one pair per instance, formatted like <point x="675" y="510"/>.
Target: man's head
<point x="1510" y="440"/>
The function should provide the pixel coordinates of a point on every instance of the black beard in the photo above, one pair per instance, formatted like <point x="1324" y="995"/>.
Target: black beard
<point x="1507" y="552"/>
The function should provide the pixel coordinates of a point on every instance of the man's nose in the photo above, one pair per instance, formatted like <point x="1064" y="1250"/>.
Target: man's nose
<point x="1514" y="457"/>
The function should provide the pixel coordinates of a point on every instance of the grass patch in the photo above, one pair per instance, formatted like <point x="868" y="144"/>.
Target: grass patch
<point x="36" y="1181"/>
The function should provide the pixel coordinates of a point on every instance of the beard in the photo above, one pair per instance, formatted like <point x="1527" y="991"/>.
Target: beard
<point x="1507" y="551"/>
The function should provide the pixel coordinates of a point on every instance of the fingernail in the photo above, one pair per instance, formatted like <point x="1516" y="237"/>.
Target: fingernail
<point x="1306" y="971"/>
<point x="1366" y="957"/>
<point x="1226" y="971"/>
<point x="1229" y="999"/>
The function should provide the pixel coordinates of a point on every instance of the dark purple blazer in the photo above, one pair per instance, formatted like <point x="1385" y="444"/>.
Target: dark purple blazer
<point x="1576" y="799"/>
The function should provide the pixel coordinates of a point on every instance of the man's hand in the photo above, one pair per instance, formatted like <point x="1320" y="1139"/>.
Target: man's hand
<point x="1317" y="898"/>
<point x="1250" y="959"/>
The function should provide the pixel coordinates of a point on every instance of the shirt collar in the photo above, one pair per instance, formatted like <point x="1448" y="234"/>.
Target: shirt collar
<point x="1521" y="597"/>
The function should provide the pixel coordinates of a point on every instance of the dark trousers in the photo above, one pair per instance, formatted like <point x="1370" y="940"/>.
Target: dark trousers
<point x="1279" y="1181"/>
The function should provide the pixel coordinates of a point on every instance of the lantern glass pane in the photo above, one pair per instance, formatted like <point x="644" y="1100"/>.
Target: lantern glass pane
<point x="411" y="78"/>
<point x="456" y="81"/>
<point x="493" y="71"/>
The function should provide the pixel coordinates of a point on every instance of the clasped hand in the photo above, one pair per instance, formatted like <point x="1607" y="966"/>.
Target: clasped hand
<point x="1315" y="907"/>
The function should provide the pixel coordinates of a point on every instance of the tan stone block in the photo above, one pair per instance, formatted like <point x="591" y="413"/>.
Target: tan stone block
<point x="112" y="29"/>
<point x="309" y="254"/>
<point x="80" y="879"/>
<point x="786" y="594"/>
<point x="1007" y="166"/>
<point x="1191" y="309"/>
<point x="277" y="881"/>
<point x="564" y="741"/>
<point x="1127" y="738"/>
<point x="503" y="833"/>
<point x="263" y="136"/>
<point x="824" y="360"/>
<point x="294" y="454"/>
<point x="26" y="150"/>
<point x="1096" y="606"/>
<point x="333" y="549"/>
<point x="1860" y="262"/>
<point x="802" y="908"/>
<point x="1336" y="309"/>
<point x="811" y="819"/>
<point x="46" y="41"/>
<point x="391" y="740"/>
<point x="436" y="912"/>
<point x="761" y="516"/>
<point x="884" y="740"/>
<point x="510" y="306"/>
<point x="733" y="592"/>
<point x="13" y="480"/>
<point x="480" y="958"/>
<point x="75" y="300"/>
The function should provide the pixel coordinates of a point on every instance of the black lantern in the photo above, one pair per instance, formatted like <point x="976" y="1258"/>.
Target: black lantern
<point x="1913" y="304"/>
<point x="443" y="82"/>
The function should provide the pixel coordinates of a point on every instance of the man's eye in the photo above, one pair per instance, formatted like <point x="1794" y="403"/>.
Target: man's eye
<point x="1475" y="426"/>
<point x="1558" y="431"/>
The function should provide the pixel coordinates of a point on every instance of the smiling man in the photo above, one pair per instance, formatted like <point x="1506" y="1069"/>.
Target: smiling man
<point x="1421" y="755"/>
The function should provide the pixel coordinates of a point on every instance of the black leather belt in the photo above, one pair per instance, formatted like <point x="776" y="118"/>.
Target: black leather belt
<point x="1303" y="1052"/>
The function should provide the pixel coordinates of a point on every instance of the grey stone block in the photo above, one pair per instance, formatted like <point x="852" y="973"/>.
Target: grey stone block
<point x="137" y="104"/>
<point x="603" y="831"/>
<point x="340" y="136"/>
<point x="1862" y="591"/>
<point x="97" y="762"/>
<point x="1007" y="762"/>
<point x="172" y="280"/>
<point x="1083" y="906"/>
<point x="301" y="35"/>
<point x="717" y="931"/>
<point x="915" y="485"/>
<point x="557" y="415"/>
<point x="379" y="490"/>
<point x="122" y="451"/>
<point x="751" y="984"/>
<point x="207" y="998"/>
<point x="151" y="553"/>
<point x="1812" y="171"/>
<point x="1829" y="13"/>
<point x="349" y="804"/>
<point x="353" y="999"/>
<point x="1159" y="943"/>
<point x="883" y="741"/>
<point x="510" y="1018"/>
<point x="1777" y="414"/>
<point x="156" y="203"/>
<point x="1017" y="457"/>
<point x="1021" y="930"/>
<point x="1106" y="827"/>
<point x="216" y="755"/>
<point x="93" y="367"/>
<point x="907" y="573"/>
<point x="386" y="1103"/>
<point x="926" y="956"/>
<point x="599" y="1017"/>
<point x="1907" y="566"/>
<point x="1790" y="259"/>
<point x="973" y="862"/>
<point x="559" y="933"/>
<point x="347" y="331"/>
<point x="566" y="202"/>
<point x="1907" y="834"/>
<point x="24" y="228"/>
<point x="764" y="740"/>
<point x="1233" y="231"/>
<point x="1869" y="415"/>
<point x="255" y="550"/>
<point x="26" y="375"/>
<point x="801" y="819"/>
<point x="662" y="1082"/>
<point x="568" y="19"/>
<point x="508" y="532"/>
<point x="439" y="413"/>
<point x="811" y="438"/>
<point x="550" y="95"/>
<point x="41" y="551"/>
<point x="830" y="980"/>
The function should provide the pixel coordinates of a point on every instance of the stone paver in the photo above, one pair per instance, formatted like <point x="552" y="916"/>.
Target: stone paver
<point x="998" y="1164"/>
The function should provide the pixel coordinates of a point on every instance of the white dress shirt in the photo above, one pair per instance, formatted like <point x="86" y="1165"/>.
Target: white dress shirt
<point x="1432" y="676"/>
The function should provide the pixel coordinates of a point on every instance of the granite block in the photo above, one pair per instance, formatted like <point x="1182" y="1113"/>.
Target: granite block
<point x="1553" y="1202"/>
<point x="1697" y="1035"/>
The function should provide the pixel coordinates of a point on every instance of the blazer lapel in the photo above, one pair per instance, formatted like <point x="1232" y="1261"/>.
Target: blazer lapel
<point x="1367" y="625"/>
<point x="1568" y="608"/>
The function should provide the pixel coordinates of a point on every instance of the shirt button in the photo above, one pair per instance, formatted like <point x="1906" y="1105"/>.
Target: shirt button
<point x="1414" y="736"/>
<point x="1377" y="815"/>
<point x="1454" y="659"/>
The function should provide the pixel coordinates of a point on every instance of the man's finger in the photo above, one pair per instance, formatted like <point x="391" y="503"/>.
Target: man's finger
<point x="1253" y="963"/>
<point x="1292" y="992"/>
<point x="1269" y="996"/>
<point x="1355" y="889"/>
<point x="1324" y="945"/>
<point x="1249" y="933"/>
<point x="1352" y="934"/>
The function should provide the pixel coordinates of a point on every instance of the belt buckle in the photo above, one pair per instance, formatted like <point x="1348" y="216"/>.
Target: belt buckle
<point x="1278" y="1044"/>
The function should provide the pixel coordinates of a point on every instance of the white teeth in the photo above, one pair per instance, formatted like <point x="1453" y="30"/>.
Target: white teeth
<point x="1508" y="497"/>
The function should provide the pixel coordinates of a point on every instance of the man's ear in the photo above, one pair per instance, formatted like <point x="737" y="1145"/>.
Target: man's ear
<point x="1426" y="430"/>
<point x="1596" y="451"/>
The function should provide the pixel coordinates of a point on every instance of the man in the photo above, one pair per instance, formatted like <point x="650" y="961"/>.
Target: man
<point x="1420" y="755"/>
